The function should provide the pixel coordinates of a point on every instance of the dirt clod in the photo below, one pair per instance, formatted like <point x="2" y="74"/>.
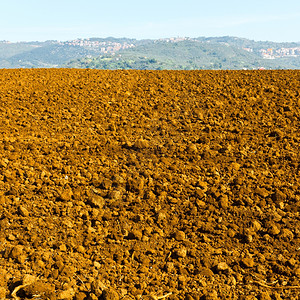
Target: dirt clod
<point x="222" y="266"/>
<point x="248" y="262"/>
<point x="179" y="235"/>
<point x="110" y="294"/>
<point x="67" y="294"/>
<point x="2" y="293"/>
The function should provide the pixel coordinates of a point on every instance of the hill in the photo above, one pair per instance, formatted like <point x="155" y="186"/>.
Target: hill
<point x="189" y="54"/>
<point x="183" y="55"/>
<point x="170" y="53"/>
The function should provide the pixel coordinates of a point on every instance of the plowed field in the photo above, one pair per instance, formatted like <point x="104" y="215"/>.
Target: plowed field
<point x="149" y="185"/>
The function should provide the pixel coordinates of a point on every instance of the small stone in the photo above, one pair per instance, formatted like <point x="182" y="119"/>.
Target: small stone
<point x="81" y="249"/>
<point x="29" y="279"/>
<point x="182" y="279"/>
<point x="248" y="262"/>
<point x="222" y="266"/>
<point x="297" y="272"/>
<point x="278" y="196"/>
<point x="169" y="267"/>
<point x="23" y="211"/>
<point x="95" y="200"/>
<point x="16" y="251"/>
<point x="135" y="235"/>
<point x="249" y="238"/>
<point x="199" y="193"/>
<point x="2" y="199"/>
<point x="200" y="203"/>
<point x="274" y="229"/>
<point x="118" y="180"/>
<point x="235" y="166"/>
<point x="276" y="217"/>
<point x="203" y="185"/>
<point x="11" y="237"/>
<point x="63" y="247"/>
<point x="179" y="235"/>
<point x="232" y="281"/>
<point x="280" y="205"/>
<point x="2" y="293"/>
<point x="66" y="195"/>
<point x="192" y="148"/>
<point x="22" y="258"/>
<point x="67" y="294"/>
<point x="68" y="223"/>
<point x="3" y="274"/>
<point x="80" y="296"/>
<point x="32" y="288"/>
<point x="106" y="184"/>
<point x="286" y="234"/>
<point x="292" y="262"/>
<point x="181" y="252"/>
<point x="161" y="216"/>
<point x="55" y="274"/>
<point x="205" y="272"/>
<point x="115" y="195"/>
<point x="123" y="293"/>
<point x="97" y="265"/>
<point x="98" y="287"/>
<point x="40" y="263"/>
<point x="141" y="143"/>
<point x="256" y="226"/>
<point x="211" y="295"/>
<point x="110" y="294"/>
<point x="231" y="233"/>
<point x="262" y="192"/>
<point x="92" y="296"/>
<point x="224" y="201"/>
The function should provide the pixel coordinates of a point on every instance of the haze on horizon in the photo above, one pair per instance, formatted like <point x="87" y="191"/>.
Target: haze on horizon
<point x="35" y="20"/>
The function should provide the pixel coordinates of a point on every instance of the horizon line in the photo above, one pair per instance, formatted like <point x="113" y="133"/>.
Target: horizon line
<point x="140" y="39"/>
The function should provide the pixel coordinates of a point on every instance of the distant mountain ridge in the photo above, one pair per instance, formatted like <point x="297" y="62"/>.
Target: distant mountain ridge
<point x="168" y="53"/>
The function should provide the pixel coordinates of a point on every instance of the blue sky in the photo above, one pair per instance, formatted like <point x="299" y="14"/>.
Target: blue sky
<point x="40" y="20"/>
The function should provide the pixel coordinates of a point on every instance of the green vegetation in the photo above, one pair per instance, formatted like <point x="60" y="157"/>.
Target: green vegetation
<point x="184" y="55"/>
<point x="122" y="53"/>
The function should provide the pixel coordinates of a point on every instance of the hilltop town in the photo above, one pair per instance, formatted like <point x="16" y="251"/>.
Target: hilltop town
<point x="277" y="53"/>
<point x="173" y="53"/>
<point x="102" y="46"/>
<point x="112" y="47"/>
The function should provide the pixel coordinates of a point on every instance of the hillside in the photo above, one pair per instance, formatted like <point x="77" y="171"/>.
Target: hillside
<point x="45" y="55"/>
<point x="189" y="55"/>
<point x="184" y="55"/>
<point x="169" y="53"/>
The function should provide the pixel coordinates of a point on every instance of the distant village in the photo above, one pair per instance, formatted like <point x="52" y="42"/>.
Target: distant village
<point x="277" y="53"/>
<point x="112" y="47"/>
<point x="103" y="47"/>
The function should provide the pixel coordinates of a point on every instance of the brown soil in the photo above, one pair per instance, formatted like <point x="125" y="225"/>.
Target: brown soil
<point x="149" y="185"/>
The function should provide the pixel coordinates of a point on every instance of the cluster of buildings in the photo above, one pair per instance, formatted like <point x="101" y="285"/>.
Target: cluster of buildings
<point x="282" y="52"/>
<point x="175" y="39"/>
<point x="102" y="46"/>
<point x="271" y="53"/>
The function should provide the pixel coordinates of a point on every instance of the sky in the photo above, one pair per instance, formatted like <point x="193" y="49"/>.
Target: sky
<point x="41" y="20"/>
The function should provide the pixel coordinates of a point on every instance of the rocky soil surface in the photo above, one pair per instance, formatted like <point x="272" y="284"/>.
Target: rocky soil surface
<point x="149" y="185"/>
